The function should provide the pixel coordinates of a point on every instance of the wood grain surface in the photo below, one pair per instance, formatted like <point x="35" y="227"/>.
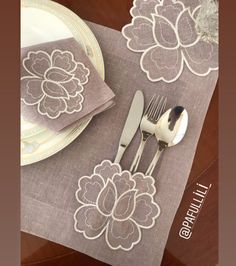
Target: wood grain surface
<point x="202" y="248"/>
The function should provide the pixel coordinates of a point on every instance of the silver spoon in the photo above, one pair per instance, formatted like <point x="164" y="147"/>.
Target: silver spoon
<point x="170" y="130"/>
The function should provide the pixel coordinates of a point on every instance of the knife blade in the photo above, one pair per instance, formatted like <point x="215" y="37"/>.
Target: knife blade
<point x="131" y="124"/>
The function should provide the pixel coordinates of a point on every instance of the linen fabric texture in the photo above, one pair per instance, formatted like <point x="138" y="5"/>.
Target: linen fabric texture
<point x="48" y="187"/>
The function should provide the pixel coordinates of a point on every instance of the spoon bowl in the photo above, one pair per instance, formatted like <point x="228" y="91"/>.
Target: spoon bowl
<point x="172" y="126"/>
<point x="170" y="130"/>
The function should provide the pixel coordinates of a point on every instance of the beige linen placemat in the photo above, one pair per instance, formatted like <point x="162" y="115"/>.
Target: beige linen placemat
<point x="48" y="187"/>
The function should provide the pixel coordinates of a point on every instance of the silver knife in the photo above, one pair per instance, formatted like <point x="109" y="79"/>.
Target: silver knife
<point x="131" y="124"/>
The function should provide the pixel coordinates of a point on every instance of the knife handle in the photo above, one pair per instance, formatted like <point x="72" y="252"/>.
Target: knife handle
<point x="120" y="153"/>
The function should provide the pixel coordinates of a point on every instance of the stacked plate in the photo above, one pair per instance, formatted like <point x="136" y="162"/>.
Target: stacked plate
<point x="45" y="21"/>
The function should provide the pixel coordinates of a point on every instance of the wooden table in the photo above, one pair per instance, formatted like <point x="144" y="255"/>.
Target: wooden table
<point x="202" y="248"/>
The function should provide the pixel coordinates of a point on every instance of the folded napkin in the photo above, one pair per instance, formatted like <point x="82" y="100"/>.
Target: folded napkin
<point x="59" y="85"/>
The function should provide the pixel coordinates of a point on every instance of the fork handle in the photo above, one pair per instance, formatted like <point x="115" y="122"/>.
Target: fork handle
<point x="153" y="163"/>
<point x="137" y="157"/>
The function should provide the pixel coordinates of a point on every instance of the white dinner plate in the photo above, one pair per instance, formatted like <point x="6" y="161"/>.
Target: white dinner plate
<point x="45" y="21"/>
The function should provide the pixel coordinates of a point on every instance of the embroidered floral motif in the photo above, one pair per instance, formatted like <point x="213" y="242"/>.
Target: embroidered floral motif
<point x="116" y="204"/>
<point x="55" y="82"/>
<point x="164" y="32"/>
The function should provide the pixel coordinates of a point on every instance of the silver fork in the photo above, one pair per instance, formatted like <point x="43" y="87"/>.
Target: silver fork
<point x="152" y="114"/>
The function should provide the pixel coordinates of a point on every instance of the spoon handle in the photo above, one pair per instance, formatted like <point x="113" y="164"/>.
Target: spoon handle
<point x="153" y="163"/>
<point x="137" y="157"/>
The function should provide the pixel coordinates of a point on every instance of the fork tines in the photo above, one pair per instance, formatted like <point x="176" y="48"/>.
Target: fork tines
<point x="155" y="108"/>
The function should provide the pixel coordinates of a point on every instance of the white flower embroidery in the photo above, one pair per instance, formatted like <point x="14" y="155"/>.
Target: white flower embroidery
<point x="164" y="32"/>
<point x="55" y="82"/>
<point x="117" y="204"/>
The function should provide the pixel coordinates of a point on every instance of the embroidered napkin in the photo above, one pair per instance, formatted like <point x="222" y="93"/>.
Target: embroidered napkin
<point x="59" y="85"/>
